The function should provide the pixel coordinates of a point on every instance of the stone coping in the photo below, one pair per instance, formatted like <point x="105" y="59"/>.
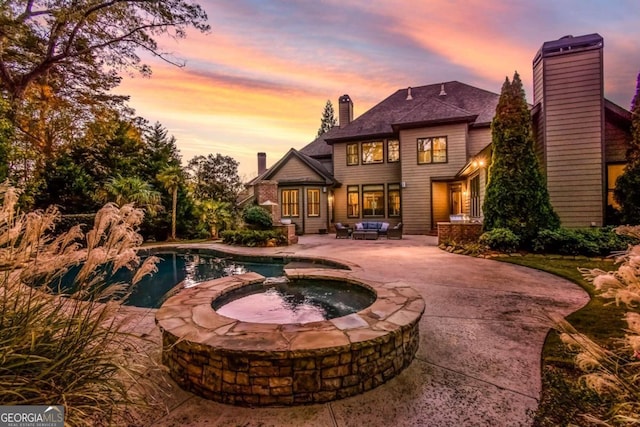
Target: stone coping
<point x="189" y="316"/>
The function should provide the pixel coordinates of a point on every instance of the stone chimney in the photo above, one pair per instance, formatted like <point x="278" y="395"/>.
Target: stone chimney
<point x="262" y="163"/>
<point x="345" y="110"/>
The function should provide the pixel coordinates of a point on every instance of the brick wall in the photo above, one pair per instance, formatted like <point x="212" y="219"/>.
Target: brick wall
<point x="465" y="232"/>
<point x="267" y="191"/>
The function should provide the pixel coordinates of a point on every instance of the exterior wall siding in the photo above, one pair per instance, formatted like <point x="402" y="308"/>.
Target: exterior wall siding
<point x="304" y="223"/>
<point x="616" y="142"/>
<point x="479" y="138"/>
<point x="295" y="169"/>
<point x="573" y="111"/>
<point x="417" y="195"/>
<point x="379" y="173"/>
<point x="538" y="119"/>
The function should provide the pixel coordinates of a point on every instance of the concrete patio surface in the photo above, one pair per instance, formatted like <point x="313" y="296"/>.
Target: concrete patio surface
<point x="481" y="337"/>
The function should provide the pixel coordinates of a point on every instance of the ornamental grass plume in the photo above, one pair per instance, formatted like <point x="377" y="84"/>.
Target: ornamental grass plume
<point x="69" y="350"/>
<point x="614" y="372"/>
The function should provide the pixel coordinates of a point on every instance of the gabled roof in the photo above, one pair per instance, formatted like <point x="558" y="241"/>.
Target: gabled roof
<point x="324" y="177"/>
<point x="622" y="114"/>
<point x="319" y="147"/>
<point x="427" y="106"/>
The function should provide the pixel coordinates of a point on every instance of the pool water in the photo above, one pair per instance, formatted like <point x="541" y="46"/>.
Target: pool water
<point x="299" y="301"/>
<point x="175" y="268"/>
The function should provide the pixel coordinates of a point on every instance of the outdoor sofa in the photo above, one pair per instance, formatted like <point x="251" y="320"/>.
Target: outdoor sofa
<point x="368" y="230"/>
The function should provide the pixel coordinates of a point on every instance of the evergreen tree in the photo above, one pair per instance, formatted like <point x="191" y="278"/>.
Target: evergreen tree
<point x="516" y="195"/>
<point x="328" y="120"/>
<point x="627" y="191"/>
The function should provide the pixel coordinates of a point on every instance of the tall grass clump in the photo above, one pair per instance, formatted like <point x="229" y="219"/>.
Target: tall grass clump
<point x="614" y="372"/>
<point x="68" y="350"/>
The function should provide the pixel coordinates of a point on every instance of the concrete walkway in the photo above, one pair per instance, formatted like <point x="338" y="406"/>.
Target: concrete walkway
<point x="479" y="358"/>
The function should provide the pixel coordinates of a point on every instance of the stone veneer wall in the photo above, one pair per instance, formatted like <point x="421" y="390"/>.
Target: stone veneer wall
<point x="463" y="232"/>
<point x="289" y="378"/>
<point x="255" y="364"/>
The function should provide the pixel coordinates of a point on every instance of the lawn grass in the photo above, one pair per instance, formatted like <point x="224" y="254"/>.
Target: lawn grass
<point x="564" y="398"/>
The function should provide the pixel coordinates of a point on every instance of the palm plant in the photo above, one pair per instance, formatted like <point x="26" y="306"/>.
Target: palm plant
<point x="216" y="214"/>
<point x="130" y="189"/>
<point x="171" y="178"/>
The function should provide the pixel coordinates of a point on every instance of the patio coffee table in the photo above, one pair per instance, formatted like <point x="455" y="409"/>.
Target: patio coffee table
<point x="364" y="235"/>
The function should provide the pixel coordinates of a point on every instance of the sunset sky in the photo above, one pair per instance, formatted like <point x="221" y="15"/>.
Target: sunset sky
<point x="260" y="79"/>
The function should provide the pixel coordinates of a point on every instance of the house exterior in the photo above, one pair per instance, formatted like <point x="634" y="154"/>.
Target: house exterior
<point x="296" y="188"/>
<point x="422" y="154"/>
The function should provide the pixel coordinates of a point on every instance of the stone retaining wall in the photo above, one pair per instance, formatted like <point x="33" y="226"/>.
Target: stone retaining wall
<point x="254" y="364"/>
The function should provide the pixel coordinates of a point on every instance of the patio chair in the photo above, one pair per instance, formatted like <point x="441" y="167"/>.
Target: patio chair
<point x="395" y="232"/>
<point x="342" y="232"/>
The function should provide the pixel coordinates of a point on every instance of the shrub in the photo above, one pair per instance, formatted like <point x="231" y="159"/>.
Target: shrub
<point x="257" y="217"/>
<point x="585" y="241"/>
<point x="467" y="248"/>
<point x="253" y="237"/>
<point x="68" y="350"/>
<point x="500" y="239"/>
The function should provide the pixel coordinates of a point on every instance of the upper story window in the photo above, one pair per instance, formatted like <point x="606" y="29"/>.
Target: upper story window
<point x="372" y="152"/>
<point x="393" y="150"/>
<point x="432" y="150"/>
<point x="352" y="154"/>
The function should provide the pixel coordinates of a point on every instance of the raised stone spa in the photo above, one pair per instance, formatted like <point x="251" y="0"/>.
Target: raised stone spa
<point x="266" y="364"/>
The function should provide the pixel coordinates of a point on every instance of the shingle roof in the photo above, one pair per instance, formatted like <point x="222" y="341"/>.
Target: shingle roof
<point x="319" y="147"/>
<point x="461" y="103"/>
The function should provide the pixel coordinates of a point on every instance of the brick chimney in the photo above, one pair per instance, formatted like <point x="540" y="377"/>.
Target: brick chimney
<point x="262" y="163"/>
<point x="345" y="110"/>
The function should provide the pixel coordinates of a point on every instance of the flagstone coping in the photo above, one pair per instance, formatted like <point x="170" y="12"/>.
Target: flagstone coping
<point x="259" y="364"/>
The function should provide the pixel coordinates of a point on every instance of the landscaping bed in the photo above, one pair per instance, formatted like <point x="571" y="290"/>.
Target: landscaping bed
<point x="564" y="398"/>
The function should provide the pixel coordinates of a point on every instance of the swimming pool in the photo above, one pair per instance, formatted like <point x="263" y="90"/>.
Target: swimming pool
<point x="182" y="268"/>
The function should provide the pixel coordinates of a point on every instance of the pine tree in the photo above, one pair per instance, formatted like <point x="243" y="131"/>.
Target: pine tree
<point x="516" y="195"/>
<point x="627" y="191"/>
<point x="328" y="119"/>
